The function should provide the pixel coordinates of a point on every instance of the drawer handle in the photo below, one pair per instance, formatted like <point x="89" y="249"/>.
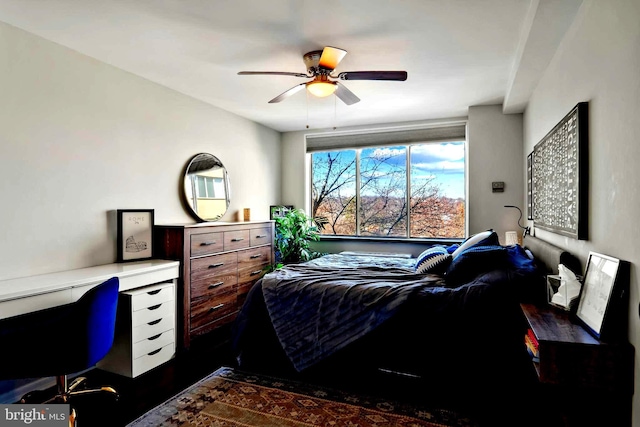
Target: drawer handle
<point x="154" y="352"/>
<point x="155" y="322"/>
<point x="261" y="236"/>
<point x="207" y="243"/>
<point x="215" y="285"/>
<point x="155" y="337"/>
<point x="237" y="239"/>
<point x="220" y="264"/>
<point x="255" y="256"/>
<point x="154" y="292"/>
<point x="214" y="308"/>
<point x="154" y="307"/>
<point x="253" y="273"/>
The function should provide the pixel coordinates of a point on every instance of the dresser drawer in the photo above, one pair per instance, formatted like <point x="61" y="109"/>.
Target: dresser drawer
<point x="151" y="296"/>
<point x="248" y="276"/>
<point x="207" y="310"/>
<point x="153" y="343"/>
<point x="214" y="265"/>
<point x="255" y="256"/>
<point x="153" y="313"/>
<point x="155" y="327"/>
<point x="152" y="359"/>
<point x="236" y="240"/>
<point x="213" y="286"/>
<point x="207" y="243"/>
<point x="260" y="236"/>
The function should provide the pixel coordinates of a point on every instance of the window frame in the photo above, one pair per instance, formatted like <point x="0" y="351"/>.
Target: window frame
<point x="408" y="189"/>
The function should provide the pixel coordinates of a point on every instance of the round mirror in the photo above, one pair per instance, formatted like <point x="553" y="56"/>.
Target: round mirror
<point x="206" y="187"/>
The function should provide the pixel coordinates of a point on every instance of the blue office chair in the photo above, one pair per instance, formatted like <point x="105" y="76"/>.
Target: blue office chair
<point x="61" y="341"/>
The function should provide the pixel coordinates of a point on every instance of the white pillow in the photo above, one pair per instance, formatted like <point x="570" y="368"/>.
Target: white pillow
<point x="471" y="241"/>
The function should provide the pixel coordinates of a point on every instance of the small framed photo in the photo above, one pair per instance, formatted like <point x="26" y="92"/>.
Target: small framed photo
<point x="135" y="234"/>
<point x="279" y="211"/>
<point x="603" y="296"/>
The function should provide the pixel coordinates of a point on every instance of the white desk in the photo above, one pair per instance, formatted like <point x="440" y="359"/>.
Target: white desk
<point x="151" y="285"/>
<point x="26" y="294"/>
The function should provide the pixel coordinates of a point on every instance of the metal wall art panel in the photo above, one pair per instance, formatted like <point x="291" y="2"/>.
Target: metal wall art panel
<point x="560" y="183"/>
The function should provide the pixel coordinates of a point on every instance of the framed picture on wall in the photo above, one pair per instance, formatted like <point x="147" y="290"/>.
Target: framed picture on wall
<point x="135" y="234"/>
<point x="559" y="176"/>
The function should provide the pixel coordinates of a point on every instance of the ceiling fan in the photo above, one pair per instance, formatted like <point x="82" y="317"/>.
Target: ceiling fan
<point x="320" y="66"/>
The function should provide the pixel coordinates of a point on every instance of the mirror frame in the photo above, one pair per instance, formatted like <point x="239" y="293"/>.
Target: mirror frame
<point x="188" y="182"/>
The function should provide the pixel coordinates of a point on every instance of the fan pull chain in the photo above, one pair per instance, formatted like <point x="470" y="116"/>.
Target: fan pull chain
<point x="335" y="102"/>
<point x="307" y="93"/>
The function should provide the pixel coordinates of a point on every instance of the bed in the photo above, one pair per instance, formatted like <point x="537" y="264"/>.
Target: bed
<point x="459" y="322"/>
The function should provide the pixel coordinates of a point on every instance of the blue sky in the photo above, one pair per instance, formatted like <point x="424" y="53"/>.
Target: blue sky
<point x="444" y="162"/>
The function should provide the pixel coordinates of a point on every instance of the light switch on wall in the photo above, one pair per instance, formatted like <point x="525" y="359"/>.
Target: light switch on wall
<point x="497" y="187"/>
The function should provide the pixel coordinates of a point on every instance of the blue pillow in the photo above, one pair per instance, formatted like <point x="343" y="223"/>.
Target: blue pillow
<point x="473" y="261"/>
<point x="520" y="260"/>
<point x="434" y="260"/>
<point x="483" y="238"/>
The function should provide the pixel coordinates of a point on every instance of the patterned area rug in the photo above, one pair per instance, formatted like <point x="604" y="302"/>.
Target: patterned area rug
<point x="232" y="398"/>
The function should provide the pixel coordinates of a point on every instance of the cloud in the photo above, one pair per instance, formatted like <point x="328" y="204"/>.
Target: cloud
<point x="445" y="157"/>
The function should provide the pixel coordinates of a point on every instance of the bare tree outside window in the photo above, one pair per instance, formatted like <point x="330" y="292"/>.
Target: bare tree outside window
<point x="434" y="205"/>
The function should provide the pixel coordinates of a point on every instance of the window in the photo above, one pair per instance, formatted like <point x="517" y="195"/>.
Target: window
<point x="208" y="187"/>
<point x="414" y="190"/>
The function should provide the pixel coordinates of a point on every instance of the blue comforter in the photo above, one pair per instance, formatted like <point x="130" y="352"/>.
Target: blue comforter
<point x="306" y="313"/>
<point x="316" y="312"/>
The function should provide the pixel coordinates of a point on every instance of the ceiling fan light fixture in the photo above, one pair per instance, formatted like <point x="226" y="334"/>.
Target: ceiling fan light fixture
<point x="321" y="88"/>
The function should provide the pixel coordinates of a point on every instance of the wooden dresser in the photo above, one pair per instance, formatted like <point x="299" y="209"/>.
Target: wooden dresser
<point x="219" y="262"/>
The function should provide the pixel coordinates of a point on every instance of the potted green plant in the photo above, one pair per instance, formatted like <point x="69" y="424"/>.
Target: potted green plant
<point x="294" y="233"/>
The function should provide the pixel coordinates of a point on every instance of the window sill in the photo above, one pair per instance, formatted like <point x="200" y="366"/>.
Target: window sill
<point x="434" y="241"/>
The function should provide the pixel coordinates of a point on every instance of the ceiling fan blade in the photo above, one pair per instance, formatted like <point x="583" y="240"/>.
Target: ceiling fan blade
<point x="288" y="93"/>
<point x="345" y="94"/>
<point x="331" y="57"/>
<point x="271" y="73"/>
<point x="373" y="75"/>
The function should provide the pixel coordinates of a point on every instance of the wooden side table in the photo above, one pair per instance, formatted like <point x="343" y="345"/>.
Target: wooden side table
<point x="590" y="382"/>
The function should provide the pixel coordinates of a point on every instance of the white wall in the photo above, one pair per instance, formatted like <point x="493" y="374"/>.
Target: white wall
<point x="79" y="138"/>
<point x="599" y="62"/>
<point x="495" y="154"/>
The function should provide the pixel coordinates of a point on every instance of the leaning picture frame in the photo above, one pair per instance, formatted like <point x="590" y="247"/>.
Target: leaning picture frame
<point x="601" y="296"/>
<point x="278" y="211"/>
<point x="135" y="234"/>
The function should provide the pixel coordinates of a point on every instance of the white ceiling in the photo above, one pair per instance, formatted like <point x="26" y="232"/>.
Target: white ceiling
<point x="457" y="53"/>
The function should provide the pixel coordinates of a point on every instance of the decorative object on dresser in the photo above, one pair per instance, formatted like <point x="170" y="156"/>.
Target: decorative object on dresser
<point x="220" y="262"/>
<point x="560" y="182"/>
<point x="206" y="189"/>
<point x="279" y="210"/>
<point x="135" y="234"/>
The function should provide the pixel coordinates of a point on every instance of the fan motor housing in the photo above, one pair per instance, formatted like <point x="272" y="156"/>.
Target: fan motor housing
<point x="311" y="60"/>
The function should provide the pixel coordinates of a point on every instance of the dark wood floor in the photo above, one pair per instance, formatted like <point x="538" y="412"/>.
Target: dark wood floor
<point x="139" y="395"/>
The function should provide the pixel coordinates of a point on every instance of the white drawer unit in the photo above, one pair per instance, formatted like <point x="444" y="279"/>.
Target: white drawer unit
<point x="145" y="330"/>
